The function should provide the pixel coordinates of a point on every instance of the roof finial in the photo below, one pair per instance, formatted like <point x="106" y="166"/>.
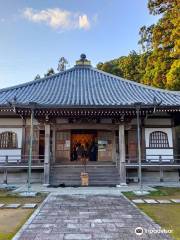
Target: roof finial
<point x="83" y="61"/>
<point x="83" y="57"/>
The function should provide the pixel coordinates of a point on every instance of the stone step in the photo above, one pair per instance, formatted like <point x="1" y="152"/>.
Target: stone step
<point x="98" y="175"/>
<point x="88" y="170"/>
<point x="91" y="176"/>
<point x="78" y="183"/>
<point x="79" y="174"/>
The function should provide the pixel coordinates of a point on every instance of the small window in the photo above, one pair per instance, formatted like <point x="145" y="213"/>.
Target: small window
<point x="8" y="140"/>
<point x="158" y="139"/>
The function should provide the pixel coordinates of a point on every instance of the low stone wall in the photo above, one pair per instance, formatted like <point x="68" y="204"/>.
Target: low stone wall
<point x="20" y="176"/>
<point x="154" y="176"/>
<point x="168" y="176"/>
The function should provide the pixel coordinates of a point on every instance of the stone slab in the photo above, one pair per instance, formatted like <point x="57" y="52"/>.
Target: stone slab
<point x="13" y="205"/>
<point x="1" y="205"/>
<point x="164" y="201"/>
<point x="138" y="201"/>
<point x="150" y="201"/>
<point x="175" y="200"/>
<point x="29" y="205"/>
<point x="114" y="217"/>
<point x="28" y="194"/>
<point x="141" y="193"/>
<point x="77" y="236"/>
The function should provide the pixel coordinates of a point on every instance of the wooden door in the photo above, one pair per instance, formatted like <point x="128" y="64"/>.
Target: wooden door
<point x="63" y="146"/>
<point x="105" y="144"/>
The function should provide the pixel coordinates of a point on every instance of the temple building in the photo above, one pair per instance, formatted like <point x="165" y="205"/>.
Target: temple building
<point x="115" y="122"/>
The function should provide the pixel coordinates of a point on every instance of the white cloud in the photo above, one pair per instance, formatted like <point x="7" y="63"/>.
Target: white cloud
<point x="84" y="22"/>
<point x="57" y="18"/>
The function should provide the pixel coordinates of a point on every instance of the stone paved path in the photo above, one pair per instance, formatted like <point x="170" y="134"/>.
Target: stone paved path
<point x="84" y="217"/>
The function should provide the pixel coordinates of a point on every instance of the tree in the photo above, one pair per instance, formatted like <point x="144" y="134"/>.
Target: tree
<point x="125" y="66"/>
<point x="173" y="76"/>
<point x="49" y="72"/>
<point x="62" y="64"/>
<point x="161" y="39"/>
<point x="146" y="38"/>
<point x="37" y="77"/>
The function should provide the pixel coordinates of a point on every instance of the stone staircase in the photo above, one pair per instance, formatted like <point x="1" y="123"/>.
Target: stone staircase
<point x="100" y="175"/>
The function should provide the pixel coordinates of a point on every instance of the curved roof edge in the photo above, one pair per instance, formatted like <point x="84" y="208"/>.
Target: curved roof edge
<point x="95" y="69"/>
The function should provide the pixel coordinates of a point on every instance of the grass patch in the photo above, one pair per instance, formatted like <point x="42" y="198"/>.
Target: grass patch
<point x="11" y="220"/>
<point x="160" y="193"/>
<point x="166" y="215"/>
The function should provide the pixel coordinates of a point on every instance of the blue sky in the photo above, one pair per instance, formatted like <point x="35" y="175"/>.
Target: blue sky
<point x="34" y="34"/>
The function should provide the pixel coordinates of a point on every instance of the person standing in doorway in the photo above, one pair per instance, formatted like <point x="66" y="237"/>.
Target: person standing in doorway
<point x="74" y="152"/>
<point x="80" y="150"/>
<point x="93" y="151"/>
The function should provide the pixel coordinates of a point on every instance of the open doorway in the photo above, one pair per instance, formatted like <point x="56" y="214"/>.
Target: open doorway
<point x="84" y="142"/>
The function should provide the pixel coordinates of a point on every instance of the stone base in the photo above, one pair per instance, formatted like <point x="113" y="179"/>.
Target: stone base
<point x="46" y="184"/>
<point x="121" y="185"/>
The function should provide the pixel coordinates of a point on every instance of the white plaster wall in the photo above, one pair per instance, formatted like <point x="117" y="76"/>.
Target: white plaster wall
<point x="158" y="121"/>
<point x="13" y="154"/>
<point x="11" y="121"/>
<point x="158" y="151"/>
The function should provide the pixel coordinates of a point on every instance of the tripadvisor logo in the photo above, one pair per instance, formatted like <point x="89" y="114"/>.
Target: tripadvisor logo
<point x="139" y="231"/>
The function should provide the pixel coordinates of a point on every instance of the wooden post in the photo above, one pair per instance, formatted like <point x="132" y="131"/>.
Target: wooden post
<point x="30" y="149"/>
<point x="47" y="155"/>
<point x="23" y="150"/>
<point x="122" y="157"/>
<point x="5" y="170"/>
<point x="114" y="146"/>
<point x="54" y="145"/>
<point x="161" y="173"/>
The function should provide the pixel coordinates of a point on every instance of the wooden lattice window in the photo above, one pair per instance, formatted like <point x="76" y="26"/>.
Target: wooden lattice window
<point x="8" y="140"/>
<point x="158" y="139"/>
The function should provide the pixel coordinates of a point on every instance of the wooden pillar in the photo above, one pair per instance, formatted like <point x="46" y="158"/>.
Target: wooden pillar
<point x="114" y="146"/>
<point x="47" y="155"/>
<point x="122" y="155"/>
<point x="54" y="145"/>
<point x="23" y="142"/>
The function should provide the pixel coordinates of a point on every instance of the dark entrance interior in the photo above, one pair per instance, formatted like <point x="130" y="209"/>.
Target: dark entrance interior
<point x="84" y="141"/>
<point x="41" y="144"/>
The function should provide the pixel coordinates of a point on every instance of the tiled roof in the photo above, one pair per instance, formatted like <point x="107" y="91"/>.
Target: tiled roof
<point x="85" y="85"/>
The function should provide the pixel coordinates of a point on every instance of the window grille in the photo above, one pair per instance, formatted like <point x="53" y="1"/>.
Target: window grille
<point x="158" y="139"/>
<point x="8" y="140"/>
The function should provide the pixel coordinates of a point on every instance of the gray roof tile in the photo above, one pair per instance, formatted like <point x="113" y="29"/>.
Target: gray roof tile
<point x="86" y="86"/>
